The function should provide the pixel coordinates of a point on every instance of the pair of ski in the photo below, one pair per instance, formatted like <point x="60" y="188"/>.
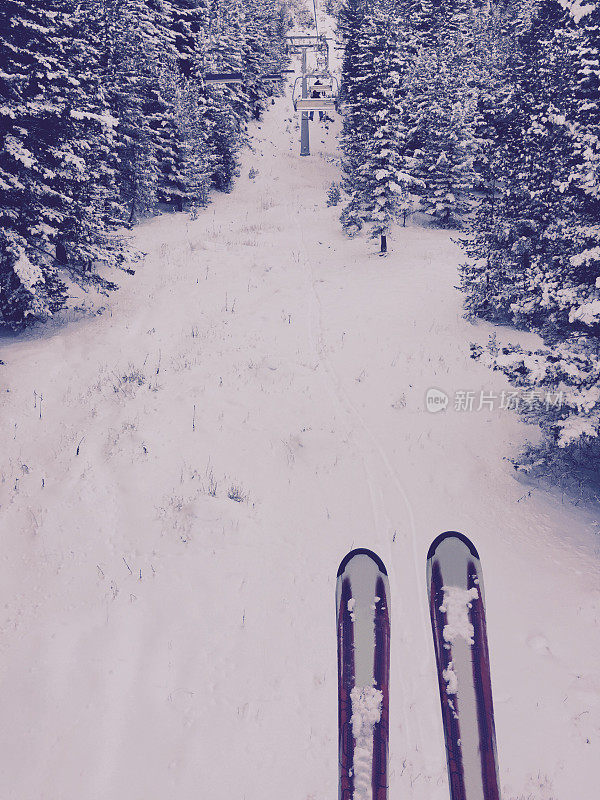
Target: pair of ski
<point x="456" y="603"/>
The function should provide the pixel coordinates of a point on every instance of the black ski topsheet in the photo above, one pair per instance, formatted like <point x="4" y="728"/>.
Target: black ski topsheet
<point x="457" y="608"/>
<point x="363" y="637"/>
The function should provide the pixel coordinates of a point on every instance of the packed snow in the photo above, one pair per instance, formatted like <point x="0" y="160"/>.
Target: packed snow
<point x="185" y="463"/>
<point x="366" y="713"/>
<point x="456" y="604"/>
<point x="451" y="679"/>
<point x="351" y="604"/>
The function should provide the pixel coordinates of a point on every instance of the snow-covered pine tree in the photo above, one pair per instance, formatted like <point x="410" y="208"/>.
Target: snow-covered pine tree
<point x="353" y="93"/>
<point x="183" y="132"/>
<point x="103" y="114"/>
<point x="586" y="133"/>
<point x="224" y="108"/>
<point x="92" y="208"/>
<point x="356" y="85"/>
<point x="189" y="22"/>
<point x="349" y="22"/>
<point x="444" y="159"/>
<point x="493" y="44"/>
<point x="224" y="52"/>
<point x="533" y="162"/>
<point x="249" y="40"/>
<point x="162" y="111"/>
<point x="140" y="55"/>
<point x="163" y="102"/>
<point x="383" y="183"/>
<point x="55" y="133"/>
<point x="535" y="256"/>
<point x="440" y="106"/>
<point x="431" y="19"/>
<point x="264" y="51"/>
<point x="194" y="131"/>
<point x="223" y="142"/>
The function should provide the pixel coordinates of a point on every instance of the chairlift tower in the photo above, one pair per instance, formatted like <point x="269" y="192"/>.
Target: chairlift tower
<point x="302" y="44"/>
<point x="304" y="129"/>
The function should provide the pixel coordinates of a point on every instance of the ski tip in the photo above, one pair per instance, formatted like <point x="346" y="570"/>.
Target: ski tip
<point x="361" y="551"/>
<point x="452" y="535"/>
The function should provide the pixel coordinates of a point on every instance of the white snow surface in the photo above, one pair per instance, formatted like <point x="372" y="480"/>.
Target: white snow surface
<point x="161" y="640"/>
<point x="456" y="604"/>
<point x="366" y="713"/>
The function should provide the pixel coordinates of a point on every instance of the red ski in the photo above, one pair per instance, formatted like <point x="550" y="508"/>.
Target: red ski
<point x="457" y="608"/>
<point x="363" y="636"/>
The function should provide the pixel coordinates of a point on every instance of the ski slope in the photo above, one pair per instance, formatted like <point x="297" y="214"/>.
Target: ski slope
<point x="181" y="474"/>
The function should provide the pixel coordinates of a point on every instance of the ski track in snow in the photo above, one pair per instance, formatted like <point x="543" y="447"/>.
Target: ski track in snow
<point x="377" y="471"/>
<point x="181" y="475"/>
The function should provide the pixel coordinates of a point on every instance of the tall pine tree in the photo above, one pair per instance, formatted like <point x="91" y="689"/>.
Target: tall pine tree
<point x="377" y="169"/>
<point x="535" y="250"/>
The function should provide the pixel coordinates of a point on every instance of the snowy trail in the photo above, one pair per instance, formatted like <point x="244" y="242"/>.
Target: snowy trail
<point x="378" y="472"/>
<point x="160" y="638"/>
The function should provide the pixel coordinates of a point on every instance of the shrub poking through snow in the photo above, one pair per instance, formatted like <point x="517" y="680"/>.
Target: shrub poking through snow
<point x="236" y="493"/>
